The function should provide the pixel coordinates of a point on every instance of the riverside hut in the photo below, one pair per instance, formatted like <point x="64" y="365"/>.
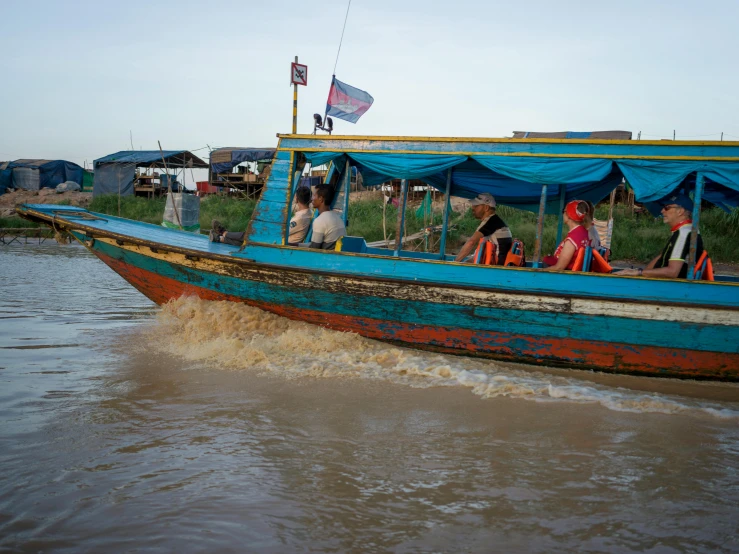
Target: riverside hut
<point x="140" y="171"/>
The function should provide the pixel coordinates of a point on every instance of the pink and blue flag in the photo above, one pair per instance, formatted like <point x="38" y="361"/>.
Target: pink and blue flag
<point x="347" y="102"/>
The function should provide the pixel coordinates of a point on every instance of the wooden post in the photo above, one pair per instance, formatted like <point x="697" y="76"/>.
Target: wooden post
<point x="169" y="186"/>
<point x="295" y="105"/>
<point x="610" y="207"/>
<point x="384" y="217"/>
<point x="560" y="222"/>
<point x="540" y="227"/>
<point x="347" y="188"/>
<point x="401" y="217"/>
<point x="445" y="221"/>
<point x="694" y="233"/>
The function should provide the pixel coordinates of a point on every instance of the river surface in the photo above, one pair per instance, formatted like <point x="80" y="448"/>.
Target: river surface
<point x="213" y="427"/>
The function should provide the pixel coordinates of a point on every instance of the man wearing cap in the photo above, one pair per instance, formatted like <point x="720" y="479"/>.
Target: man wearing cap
<point x="492" y="227"/>
<point x="672" y="263"/>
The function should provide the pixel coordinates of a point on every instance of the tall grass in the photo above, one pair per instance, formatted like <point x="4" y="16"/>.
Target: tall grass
<point x="16" y="223"/>
<point x="234" y="214"/>
<point x="132" y="207"/>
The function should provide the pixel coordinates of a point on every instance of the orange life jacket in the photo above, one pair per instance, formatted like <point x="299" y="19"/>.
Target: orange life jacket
<point x="515" y="256"/>
<point x="579" y="258"/>
<point x="488" y="255"/>
<point x="599" y="264"/>
<point x="707" y="271"/>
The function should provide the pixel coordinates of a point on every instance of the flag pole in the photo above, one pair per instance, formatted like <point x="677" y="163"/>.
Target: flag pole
<point x="336" y="63"/>
<point x="333" y="78"/>
<point x="295" y="105"/>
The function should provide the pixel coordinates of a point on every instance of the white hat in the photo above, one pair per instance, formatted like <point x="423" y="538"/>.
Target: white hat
<point x="485" y="199"/>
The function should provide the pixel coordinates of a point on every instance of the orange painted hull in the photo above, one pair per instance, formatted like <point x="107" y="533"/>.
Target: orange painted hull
<point x="578" y="353"/>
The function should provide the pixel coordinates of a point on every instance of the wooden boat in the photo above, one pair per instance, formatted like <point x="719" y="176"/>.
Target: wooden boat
<point x="632" y="325"/>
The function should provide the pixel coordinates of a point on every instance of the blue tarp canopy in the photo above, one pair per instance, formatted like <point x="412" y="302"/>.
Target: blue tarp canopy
<point x="49" y="173"/>
<point x="152" y="158"/>
<point x="114" y="173"/>
<point x="225" y="159"/>
<point x="517" y="180"/>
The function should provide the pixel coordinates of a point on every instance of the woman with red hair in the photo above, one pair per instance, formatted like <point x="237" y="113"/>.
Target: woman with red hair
<point x="575" y="216"/>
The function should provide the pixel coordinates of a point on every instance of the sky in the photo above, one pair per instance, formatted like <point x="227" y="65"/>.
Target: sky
<point x="85" y="79"/>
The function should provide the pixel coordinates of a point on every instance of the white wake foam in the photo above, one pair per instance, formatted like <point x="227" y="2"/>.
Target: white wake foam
<point x="238" y="337"/>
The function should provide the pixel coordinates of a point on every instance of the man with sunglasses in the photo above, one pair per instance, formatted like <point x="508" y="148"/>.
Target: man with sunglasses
<point x="672" y="263"/>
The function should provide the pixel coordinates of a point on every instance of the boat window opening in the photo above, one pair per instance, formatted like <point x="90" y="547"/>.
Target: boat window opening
<point x="447" y="209"/>
<point x="561" y="217"/>
<point x="540" y="227"/>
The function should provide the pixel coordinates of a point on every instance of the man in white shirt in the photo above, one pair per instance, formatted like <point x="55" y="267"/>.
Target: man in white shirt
<point x="300" y="222"/>
<point x="328" y="227"/>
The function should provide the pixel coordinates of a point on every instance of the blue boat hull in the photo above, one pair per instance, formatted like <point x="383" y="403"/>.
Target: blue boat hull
<point x="454" y="319"/>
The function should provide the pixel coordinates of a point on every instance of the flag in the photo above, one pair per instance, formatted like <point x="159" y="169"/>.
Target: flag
<point x="347" y="102"/>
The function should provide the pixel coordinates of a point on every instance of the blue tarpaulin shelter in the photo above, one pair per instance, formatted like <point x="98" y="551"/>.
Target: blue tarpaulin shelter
<point x="114" y="173"/>
<point x="225" y="159"/>
<point x="34" y="174"/>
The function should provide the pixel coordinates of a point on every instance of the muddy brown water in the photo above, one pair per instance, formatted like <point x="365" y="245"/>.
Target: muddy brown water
<point x="213" y="427"/>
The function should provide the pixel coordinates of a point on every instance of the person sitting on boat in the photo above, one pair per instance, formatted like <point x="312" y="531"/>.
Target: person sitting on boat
<point x="492" y="227"/>
<point x="328" y="227"/>
<point x="677" y="212"/>
<point x="576" y="218"/>
<point x="218" y="233"/>
<point x="592" y="231"/>
<point x="300" y="222"/>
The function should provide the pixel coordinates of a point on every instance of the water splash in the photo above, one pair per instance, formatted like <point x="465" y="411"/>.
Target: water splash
<point x="237" y="337"/>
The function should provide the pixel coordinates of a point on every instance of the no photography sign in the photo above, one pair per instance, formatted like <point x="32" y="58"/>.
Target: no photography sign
<point x="299" y="74"/>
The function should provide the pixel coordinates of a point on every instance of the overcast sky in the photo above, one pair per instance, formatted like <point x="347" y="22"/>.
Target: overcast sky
<point x="77" y="77"/>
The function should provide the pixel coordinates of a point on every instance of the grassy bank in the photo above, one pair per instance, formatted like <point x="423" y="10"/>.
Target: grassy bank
<point x="232" y="213"/>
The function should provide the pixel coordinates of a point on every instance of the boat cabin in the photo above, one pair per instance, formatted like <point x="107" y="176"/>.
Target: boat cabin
<point x="536" y="174"/>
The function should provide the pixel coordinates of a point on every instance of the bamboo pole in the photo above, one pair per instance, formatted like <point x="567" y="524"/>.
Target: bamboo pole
<point x="447" y="209"/>
<point x="169" y="186"/>
<point x="401" y="217"/>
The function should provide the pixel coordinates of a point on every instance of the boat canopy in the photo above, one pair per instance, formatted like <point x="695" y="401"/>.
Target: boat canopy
<point x="516" y="180"/>
<point x="152" y="158"/>
<point x="225" y="159"/>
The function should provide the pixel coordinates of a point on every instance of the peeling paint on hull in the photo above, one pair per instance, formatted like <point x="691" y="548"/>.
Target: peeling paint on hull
<point x="566" y="351"/>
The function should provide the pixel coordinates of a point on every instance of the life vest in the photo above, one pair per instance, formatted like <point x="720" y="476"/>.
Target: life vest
<point x="516" y="256"/>
<point x="486" y="253"/>
<point x="599" y="264"/>
<point x="704" y="267"/>
<point x="579" y="259"/>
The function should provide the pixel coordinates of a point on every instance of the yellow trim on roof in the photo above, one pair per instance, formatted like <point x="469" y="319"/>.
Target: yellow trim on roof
<point x="520" y="154"/>
<point x="511" y="140"/>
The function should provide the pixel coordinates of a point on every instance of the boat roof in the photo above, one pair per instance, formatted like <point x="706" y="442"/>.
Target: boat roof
<point x="515" y="170"/>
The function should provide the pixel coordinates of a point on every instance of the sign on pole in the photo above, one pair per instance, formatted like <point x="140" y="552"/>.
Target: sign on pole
<point x="299" y="74"/>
